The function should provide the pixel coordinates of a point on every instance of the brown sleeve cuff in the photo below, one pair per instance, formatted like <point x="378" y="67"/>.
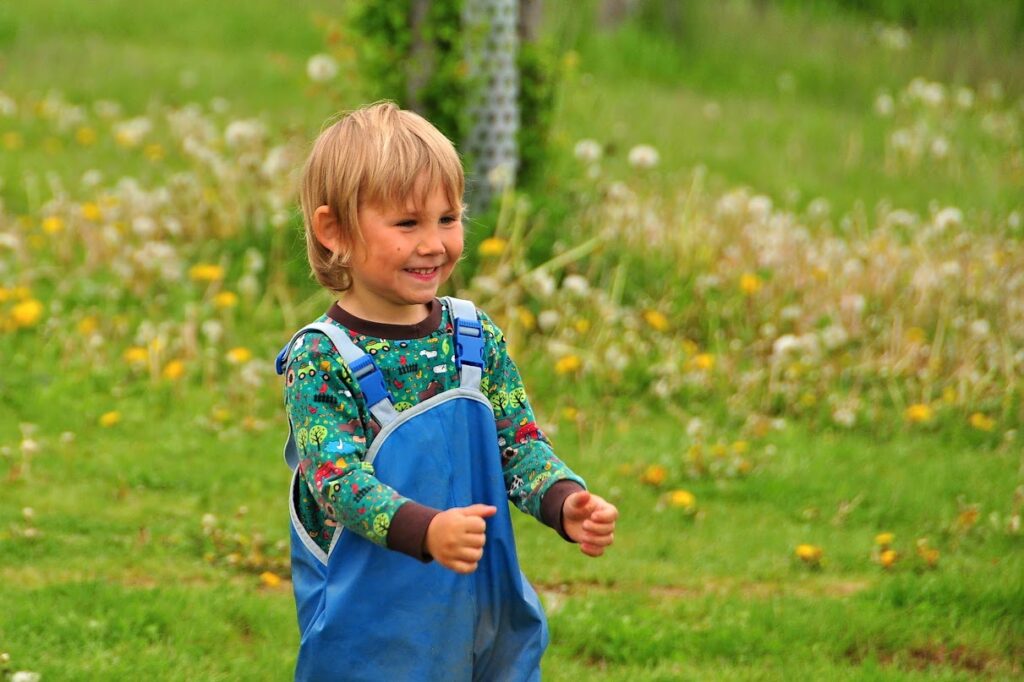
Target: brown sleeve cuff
<point x="409" y="528"/>
<point x="551" y="505"/>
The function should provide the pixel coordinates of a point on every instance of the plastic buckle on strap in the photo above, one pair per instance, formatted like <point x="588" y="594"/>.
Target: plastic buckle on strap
<point x="469" y="343"/>
<point x="282" y="359"/>
<point x="370" y="379"/>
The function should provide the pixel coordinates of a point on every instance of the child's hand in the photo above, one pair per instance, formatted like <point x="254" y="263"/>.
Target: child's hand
<point x="589" y="520"/>
<point x="455" y="538"/>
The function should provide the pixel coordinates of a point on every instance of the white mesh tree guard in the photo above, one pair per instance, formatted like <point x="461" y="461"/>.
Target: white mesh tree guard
<point x="493" y="106"/>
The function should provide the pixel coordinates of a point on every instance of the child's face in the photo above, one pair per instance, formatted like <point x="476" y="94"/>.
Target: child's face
<point x="407" y="253"/>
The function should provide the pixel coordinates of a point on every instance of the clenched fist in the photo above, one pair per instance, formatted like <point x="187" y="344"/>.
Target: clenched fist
<point x="455" y="537"/>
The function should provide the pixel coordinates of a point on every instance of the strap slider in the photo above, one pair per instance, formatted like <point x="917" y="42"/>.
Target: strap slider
<point x="469" y="343"/>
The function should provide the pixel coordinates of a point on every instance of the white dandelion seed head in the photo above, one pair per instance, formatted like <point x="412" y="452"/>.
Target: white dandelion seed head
<point x="588" y="151"/>
<point x="844" y="417"/>
<point x="980" y="328"/>
<point x="947" y="217"/>
<point x="576" y="284"/>
<point x="643" y="156"/>
<point x="885" y="105"/>
<point x="244" y="133"/>
<point x="548" y="320"/>
<point x="8" y="107"/>
<point x="939" y="147"/>
<point x="321" y="68"/>
<point x="964" y="98"/>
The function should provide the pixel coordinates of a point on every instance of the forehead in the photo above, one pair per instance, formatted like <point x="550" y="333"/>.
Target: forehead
<point x="421" y="196"/>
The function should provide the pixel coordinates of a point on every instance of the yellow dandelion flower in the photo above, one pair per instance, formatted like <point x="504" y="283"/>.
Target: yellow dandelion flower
<point x="915" y="336"/>
<point x="91" y="211"/>
<point x="810" y="554"/>
<point x="581" y="326"/>
<point x="703" y="361"/>
<point x="154" y="152"/>
<point x="12" y="141"/>
<point x="226" y="299"/>
<point x="21" y="293"/>
<point x="568" y="364"/>
<point x="173" y="370"/>
<point x="884" y="539"/>
<point x="221" y="414"/>
<point x="126" y="139"/>
<point x="655" y="475"/>
<point x="740" y="447"/>
<point x="52" y="224"/>
<point x="239" y="355"/>
<point x="206" y="272"/>
<point x="108" y="419"/>
<point x="750" y="283"/>
<point x="656" y="320"/>
<point x="270" y="580"/>
<point x="982" y="422"/>
<point x="719" y="450"/>
<point x="87" y="325"/>
<point x="888" y="558"/>
<point x="5" y="293"/>
<point x="526" y="318"/>
<point x="570" y="413"/>
<point x="949" y="395"/>
<point x="27" y="313"/>
<point x="136" y="355"/>
<point x="918" y="413"/>
<point x="683" y="499"/>
<point x="492" y="246"/>
<point x="85" y="136"/>
<point x="689" y="347"/>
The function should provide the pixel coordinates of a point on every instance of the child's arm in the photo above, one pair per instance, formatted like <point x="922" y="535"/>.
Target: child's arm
<point x="331" y="432"/>
<point x="589" y="520"/>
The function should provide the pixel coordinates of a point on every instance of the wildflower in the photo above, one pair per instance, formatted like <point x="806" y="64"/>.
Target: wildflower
<point x="581" y="326"/>
<point x="568" y="364"/>
<point x="949" y="216"/>
<point x="108" y="419"/>
<point x="682" y="499"/>
<point x="809" y="554"/>
<point x="85" y="136"/>
<point x="918" y="413"/>
<point x="226" y="299"/>
<point x="129" y="133"/>
<point x="570" y="413"/>
<point x="25" y="676"/>
<point x="243" y="133"/>
<point x="656" y="320"/>
<point x="643" y="156"/>
<point x="492" y="246"/>
<point x="173" y="370"/>
<point x="655" y="475"/>
<point x="154" y="152"/>
<point x="928" y="555"/>
<point x="91" y="212"/>
<point x="844" y="417"/>
<point x="887" y="558"/>
<point x="884" y="539"/>
<point x="270" y="580"/>
<point x="27" y="313"/>
<point x="206" y="272"/>
<point x="136" y="355"/>
<point x="52" y="224"/>
<point x="576" y="284"/>
<point x="239" y="355"/>
<point x="703" y="361"/>
<point x="526" y="318"/>
<point x="548" y="319"/>
<point x="321" y="68"/>
<point x="750" y="283"/>
<point x="87" y="325"/>
<point x="949" y="395"/>
<point x="587" y="151"/>
<point x="884" y="105"/>
<point x="982" y="422"/>
<point x="12" y="141"/>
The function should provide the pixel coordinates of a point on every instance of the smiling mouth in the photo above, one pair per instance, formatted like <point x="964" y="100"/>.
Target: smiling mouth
<point x="422" y="271"/>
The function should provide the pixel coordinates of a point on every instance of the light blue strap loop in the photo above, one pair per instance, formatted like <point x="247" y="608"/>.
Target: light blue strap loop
<point x="469" y="341"/>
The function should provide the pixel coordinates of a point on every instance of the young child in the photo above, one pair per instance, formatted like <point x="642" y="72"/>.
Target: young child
<point x="410" y="431"/>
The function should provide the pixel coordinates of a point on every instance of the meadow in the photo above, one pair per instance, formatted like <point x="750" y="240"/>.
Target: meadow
<point x="768" y="297"/>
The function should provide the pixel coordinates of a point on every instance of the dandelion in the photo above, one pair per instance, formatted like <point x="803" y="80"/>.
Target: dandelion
<point x="750" y="283"/>
<point x="884" y="539"/>
<point x="243" y="133"/>
<point x="570" y="413"/>
<point x="87" y="325"/>
<point x="85" y="136"/>
<point x="52" y="224"/>
<point x="884" y="105"/>
<point x="25" y="676"/>
<point x="173" y="370"/>
<point x="643" y="156"/>
<point x="655" y="475"/>
<point x="918" y="413"/>
<point x="91" y="212"/>
<point x="206" y="272"/>
<point x="321" y="68"/>
<point x="526" y="318"/>
<point x="888" y="558"/>
<point x="568" y="365"/>
<point x="576" y="284"/>
<point x="270" y="580"/>
<point x="844" y="417"/>
<point x="656" y="320"/>
<point x="225" y="299"/>
<point x="492" y="246"/>
<point x="587" y="151"/>
<point x="154" y="151"/>
<point x="809" y="554"/>
<point x="548" y="319"/>
<point x="27" y="313"/>
<point x="928" y="555"/>
<point x="108" y="419"/>
<point x="703" y="361"/>
<point x="982" y="422"/>
<point x="239" y="355"/>
<point x="682" y="499"/>
<point x="136" y="355"/>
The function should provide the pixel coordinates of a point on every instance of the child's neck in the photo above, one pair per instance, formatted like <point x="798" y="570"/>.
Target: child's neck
<point x="395" y="315"/>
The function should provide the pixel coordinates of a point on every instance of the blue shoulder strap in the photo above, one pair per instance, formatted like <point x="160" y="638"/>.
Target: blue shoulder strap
<point x="363" y="369"/>
<point x="469" y="341"/>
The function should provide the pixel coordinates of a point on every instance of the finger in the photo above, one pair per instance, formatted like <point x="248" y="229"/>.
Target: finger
<point x="578" y="500"/>
<point x="463" y="567"/>
<point x="482" y="511"/>
<point x="469" y="554"/>
<point x="474" y="525"/>
<point x="599" y="540"/>
<point x="605" y="514"/>
<point x="592" y="550"/>
<point x="600" y="528"/>
<point x="474" y="541"/>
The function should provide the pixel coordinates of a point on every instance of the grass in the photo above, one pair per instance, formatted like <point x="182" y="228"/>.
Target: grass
<point x="111" y="576"/>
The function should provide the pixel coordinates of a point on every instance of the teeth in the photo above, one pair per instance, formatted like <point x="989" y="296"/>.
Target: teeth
<point x="422" y="271"/>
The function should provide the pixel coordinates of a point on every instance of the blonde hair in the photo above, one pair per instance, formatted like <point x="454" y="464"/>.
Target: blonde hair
<point x="378" y="155"/>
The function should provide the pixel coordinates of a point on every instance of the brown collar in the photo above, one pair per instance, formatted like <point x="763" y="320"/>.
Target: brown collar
<point x="392" y="332"/>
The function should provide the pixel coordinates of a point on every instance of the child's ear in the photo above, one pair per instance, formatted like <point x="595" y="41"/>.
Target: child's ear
<point x="327" y="229"/>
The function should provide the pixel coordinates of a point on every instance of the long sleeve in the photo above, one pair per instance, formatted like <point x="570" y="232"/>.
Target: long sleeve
<point x="537" y="481"/>
<point x="331" y="431"/>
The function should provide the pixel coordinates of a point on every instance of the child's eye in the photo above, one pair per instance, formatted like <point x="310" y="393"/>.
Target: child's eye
<point x="406" y="223"/>
<point x="449" y="219"/>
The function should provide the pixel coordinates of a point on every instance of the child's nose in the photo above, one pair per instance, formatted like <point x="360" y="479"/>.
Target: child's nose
<point x="430" y="243"/>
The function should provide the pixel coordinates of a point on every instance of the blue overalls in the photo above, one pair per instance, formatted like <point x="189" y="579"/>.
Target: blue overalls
<point x="369" y="613"/>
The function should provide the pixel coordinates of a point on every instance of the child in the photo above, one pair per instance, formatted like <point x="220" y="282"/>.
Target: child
<point x="410" y="431"/>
